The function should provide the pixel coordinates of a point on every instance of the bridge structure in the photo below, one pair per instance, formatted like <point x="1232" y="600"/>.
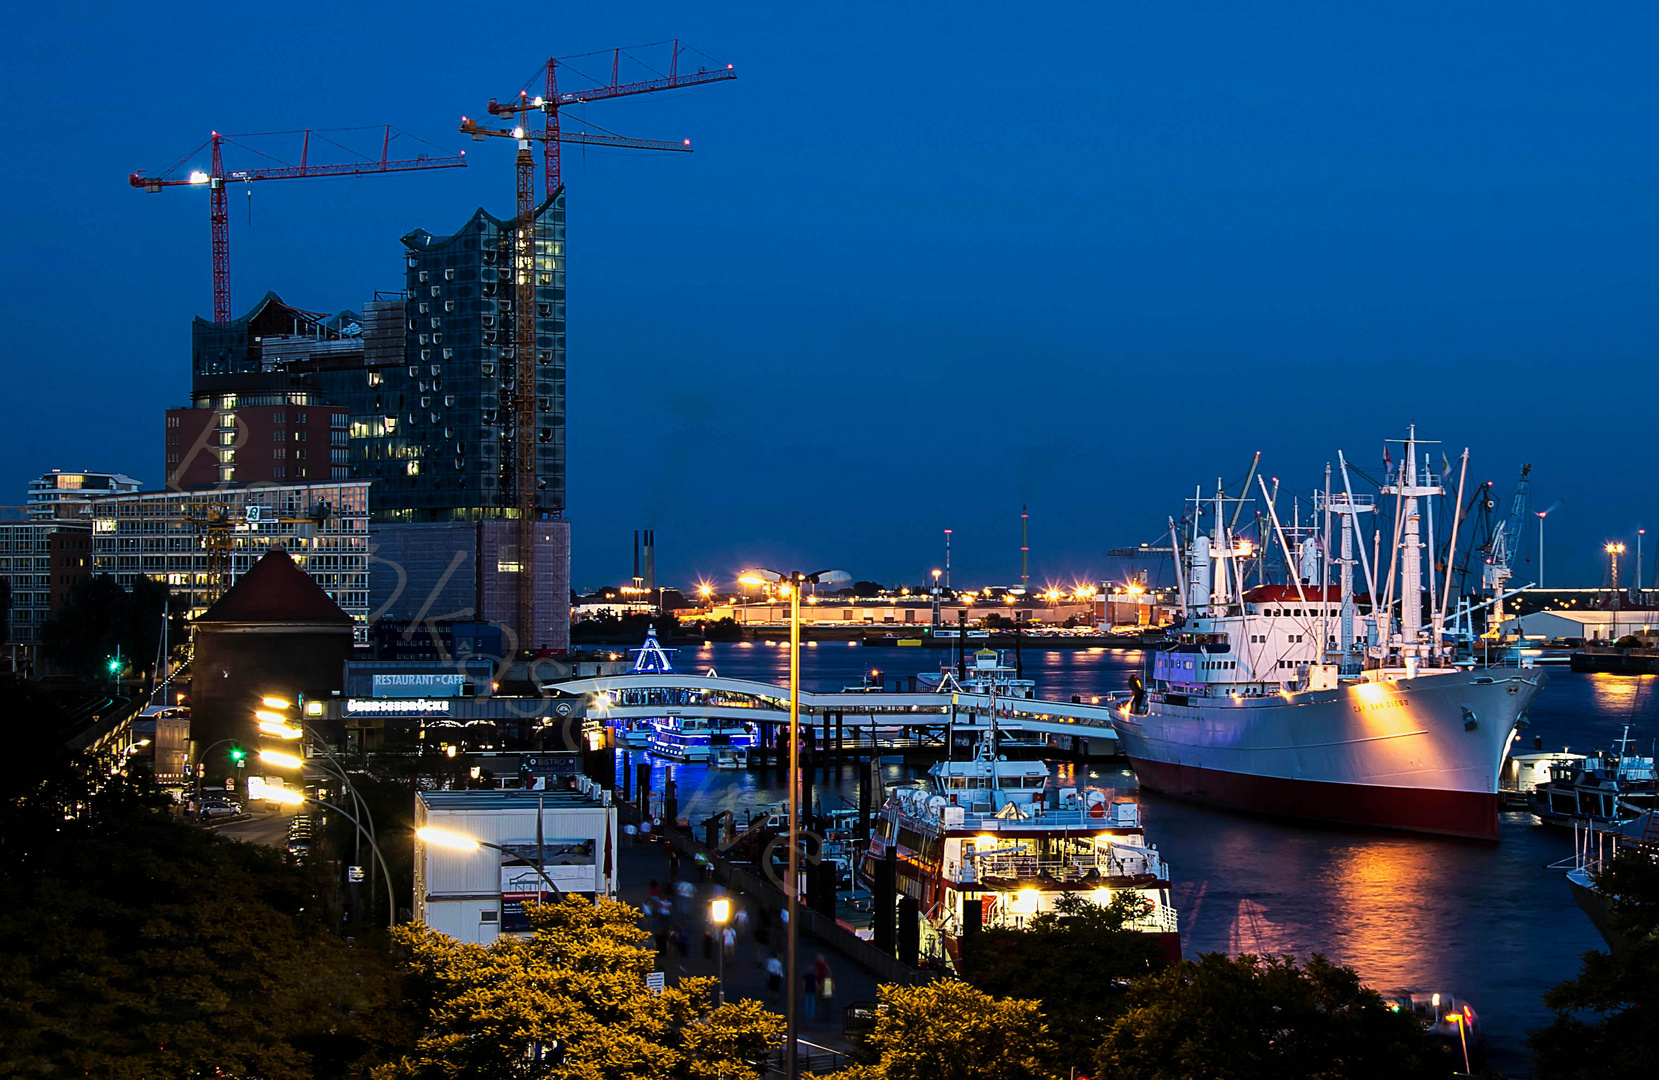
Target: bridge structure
<point x="849" y="721"/>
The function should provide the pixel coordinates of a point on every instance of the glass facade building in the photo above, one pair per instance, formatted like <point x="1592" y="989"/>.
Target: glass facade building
<point x="433" y="428"/>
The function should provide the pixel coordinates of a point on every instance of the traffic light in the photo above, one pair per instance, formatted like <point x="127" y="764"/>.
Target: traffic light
<point x="114" y="666"/>
<point x="238" y="755"/>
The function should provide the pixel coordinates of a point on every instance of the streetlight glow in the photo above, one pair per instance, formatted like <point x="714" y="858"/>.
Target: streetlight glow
<point x="720" y="910"/>
<point x="280" y="760"/>
<point x="279" y="729"/>
<point x="269" y="717"/>
<point x="444" y="838"/>
<point x="284" y="796"/>
<point x="275" y="703"/>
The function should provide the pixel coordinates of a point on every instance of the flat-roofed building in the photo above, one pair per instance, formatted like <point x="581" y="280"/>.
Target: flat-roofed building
<point x="476" y="895"/>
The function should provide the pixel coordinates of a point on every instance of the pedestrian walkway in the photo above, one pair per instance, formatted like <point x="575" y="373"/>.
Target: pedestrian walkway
<point x="689" y="953"/>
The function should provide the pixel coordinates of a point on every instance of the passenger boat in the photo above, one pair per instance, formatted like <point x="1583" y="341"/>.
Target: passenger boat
<point x="1303" y="699"/>
<point x="1522" y="774"/>
<point x="699" y="738"/>
<point x="1599" y="793"/>
<point x="990" y="842"/>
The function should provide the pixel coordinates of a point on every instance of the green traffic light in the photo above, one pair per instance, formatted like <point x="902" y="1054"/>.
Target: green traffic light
<point x="114" y="666"/>
<point x="238" y="754"/>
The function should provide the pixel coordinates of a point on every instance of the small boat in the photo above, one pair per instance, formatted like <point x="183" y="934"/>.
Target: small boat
<point x="986" y="672"/>
<point x="1522" y="773"/>
<point x="698" y="738"/>
<point x="1601" y="792"/>
<point x="1441" y="1014"/>
<point x="730" y="757"/>
<point x="1592" y="850"/>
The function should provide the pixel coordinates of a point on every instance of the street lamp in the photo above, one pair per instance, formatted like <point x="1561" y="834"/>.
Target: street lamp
<point x="792" y="987"/>
<point x="1542" y="514"/>
<point x="459" y="842"/>
<point x="294" y="798"/>
<point x="720" y="911"/>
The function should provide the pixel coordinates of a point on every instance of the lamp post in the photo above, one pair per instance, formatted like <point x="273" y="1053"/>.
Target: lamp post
<point x="720" y="910"/>
<point x="792" y="989"/>
<point x="277" y="725"/>
<point x="294" y="798"/>
<point x="460" y="842"/>
<point x="1542" y="514"/>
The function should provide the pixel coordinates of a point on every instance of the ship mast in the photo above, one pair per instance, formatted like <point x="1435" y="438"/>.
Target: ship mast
<point x="1407" y="489"/>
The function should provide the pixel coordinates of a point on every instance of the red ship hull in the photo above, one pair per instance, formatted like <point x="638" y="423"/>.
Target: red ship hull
<point x="1470" y="814"/>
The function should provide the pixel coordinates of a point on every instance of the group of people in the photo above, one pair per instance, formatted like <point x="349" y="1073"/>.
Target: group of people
<point x="672" y="909"/>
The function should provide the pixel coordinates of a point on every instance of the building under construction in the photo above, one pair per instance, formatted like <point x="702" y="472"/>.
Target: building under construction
<point x="415" y="396"/>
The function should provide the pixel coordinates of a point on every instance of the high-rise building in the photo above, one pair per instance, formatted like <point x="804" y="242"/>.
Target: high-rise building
<point x="433" y="427"/>
<point x="61" y="494"/>
<point x="201" y="543"/>
<point x="418" y="393"/>
<point x="41" y="560"/>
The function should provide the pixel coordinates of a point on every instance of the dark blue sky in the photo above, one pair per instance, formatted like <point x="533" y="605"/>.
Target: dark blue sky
<point x="923" y="267"/>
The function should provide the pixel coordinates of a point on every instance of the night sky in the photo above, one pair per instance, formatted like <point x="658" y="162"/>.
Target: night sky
<point x="922" y="268"/>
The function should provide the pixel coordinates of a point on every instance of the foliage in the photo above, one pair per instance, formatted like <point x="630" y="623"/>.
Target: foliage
<point x="134" y="946"/>
<point x="1264" y="1017"/>
<point x="1620" y="988"/>
<point x="727" y="629"/>
<point x="570" y="1002"/>
<point x="99" y="615"/>
<point x="1075" y="960"/>
<point x="948" y="1030"/>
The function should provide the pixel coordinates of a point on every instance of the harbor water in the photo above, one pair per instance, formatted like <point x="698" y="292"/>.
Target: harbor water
<point x="1489" y="922"/>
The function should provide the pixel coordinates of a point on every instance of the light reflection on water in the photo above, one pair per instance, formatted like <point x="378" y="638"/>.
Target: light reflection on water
<point x="1487" y="921"/>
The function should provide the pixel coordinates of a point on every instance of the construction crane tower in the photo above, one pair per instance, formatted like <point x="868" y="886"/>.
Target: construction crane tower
<point x="526" y="483"/>
<point x="216" y="180"/>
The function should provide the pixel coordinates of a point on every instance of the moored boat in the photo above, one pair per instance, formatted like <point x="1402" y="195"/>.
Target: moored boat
<point x="990" y="842"/>
<point x="1306" y="699"/>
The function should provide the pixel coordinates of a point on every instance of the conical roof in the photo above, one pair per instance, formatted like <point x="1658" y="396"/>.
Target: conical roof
<point x="276" y="591"/>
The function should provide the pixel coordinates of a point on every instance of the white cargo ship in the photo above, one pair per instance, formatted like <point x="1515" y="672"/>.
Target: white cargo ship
<point x="1305" y="699"/>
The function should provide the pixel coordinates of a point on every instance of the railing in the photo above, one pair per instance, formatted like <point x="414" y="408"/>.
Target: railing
<point x="1067" y="868"/>
<point x="1116" y="816"/>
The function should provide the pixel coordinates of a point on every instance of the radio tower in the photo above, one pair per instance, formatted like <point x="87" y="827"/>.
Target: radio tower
<point x="1025" y="550"/>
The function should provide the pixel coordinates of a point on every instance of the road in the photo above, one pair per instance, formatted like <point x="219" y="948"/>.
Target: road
<point x="259" y="828"/>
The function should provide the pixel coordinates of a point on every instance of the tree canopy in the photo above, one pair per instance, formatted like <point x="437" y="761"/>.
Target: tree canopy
<point x="571" y="1001"/>
<point x="99" y="616"/>
<point x="1264" y="1018"/>
<point x="948" y="1030"/>
<point x="1619" y="990"/>
<point x="1076" y="961"/>
<point x="134" y="946"/>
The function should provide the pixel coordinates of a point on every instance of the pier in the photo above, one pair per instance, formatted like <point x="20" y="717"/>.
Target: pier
<point x="844" y="722"/>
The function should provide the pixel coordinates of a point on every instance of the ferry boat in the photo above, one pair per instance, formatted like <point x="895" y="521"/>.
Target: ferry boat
<point x="700" y="738"/>
<point x="1304" y="698"/>
<point x="991" y="842"/>
<point x="649" y="659"/>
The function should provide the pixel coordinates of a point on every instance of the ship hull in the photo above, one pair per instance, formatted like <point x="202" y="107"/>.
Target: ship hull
<point x="1421" y="755"/>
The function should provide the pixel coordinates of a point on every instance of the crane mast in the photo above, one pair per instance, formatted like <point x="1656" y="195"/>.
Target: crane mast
<point x="526" y="483"/>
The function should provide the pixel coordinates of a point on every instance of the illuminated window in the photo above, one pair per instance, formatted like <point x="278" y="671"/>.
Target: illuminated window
<point x="413" y="468"/>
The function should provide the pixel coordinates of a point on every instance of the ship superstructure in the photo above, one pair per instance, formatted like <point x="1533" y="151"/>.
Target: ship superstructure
<point x="1309" y="698"/>
<point x="989" y="842"/>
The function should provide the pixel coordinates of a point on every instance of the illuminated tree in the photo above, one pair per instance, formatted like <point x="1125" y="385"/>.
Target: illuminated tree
<point x="570" y="1001"/>
<point x="948" y="1030"/>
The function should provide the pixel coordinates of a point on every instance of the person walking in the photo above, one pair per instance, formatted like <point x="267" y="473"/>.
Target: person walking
<point x="809" y="992"/>
<point x="826" y="984"/>
<point x="774" y="980"/>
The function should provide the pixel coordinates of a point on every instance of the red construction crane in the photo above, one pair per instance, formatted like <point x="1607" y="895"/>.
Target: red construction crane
<point x="524" y="263"/>
<point x="216" y="179"/>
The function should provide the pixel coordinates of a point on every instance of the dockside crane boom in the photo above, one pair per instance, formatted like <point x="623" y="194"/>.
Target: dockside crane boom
<point x="1506" y="541"/>
<point x="216" y="180"/>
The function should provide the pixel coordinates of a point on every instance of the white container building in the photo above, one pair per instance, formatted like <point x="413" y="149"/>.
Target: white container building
<point x="477" y="895"/>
